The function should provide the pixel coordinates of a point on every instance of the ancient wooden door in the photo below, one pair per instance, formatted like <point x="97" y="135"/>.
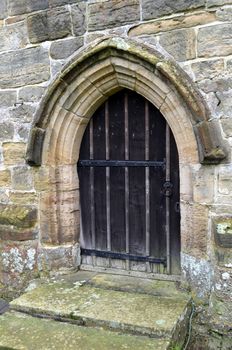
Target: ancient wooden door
<point x="129" y="188"/>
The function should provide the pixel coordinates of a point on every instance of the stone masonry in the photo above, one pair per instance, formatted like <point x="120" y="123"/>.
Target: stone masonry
<point x="38" y="39"/>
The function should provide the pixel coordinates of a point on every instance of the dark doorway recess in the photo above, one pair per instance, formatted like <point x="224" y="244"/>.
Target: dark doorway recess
<point x="129" y="188"/>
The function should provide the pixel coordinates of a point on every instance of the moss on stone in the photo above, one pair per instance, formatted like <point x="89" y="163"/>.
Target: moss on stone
<point x="17" y="216"/>
<point x="19" y="331"/>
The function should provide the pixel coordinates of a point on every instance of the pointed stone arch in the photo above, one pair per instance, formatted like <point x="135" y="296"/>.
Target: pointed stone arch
<point x="92" y="75"/>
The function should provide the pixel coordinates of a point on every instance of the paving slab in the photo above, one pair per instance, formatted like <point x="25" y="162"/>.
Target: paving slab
<point x="134" y="313"/>
<point x="23" y="332"/>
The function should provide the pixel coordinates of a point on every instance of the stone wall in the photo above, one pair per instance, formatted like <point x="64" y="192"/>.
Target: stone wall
<point x="37" y="40"/>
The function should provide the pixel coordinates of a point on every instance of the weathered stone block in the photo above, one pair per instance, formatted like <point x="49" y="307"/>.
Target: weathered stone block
<point x="22" y="132"/>
<point x="49" y="25"/>
<point x="3" y="9"/>
<point x="195" y="229"/>
<point x="226" y="124"/>
<point x="31" y="93"/>
<point x="65" y="48"/>
<point x="78" y="14"/>
<point x="164" y="25"/>
<point x="54" y="3"/>
<point x="18" y="216"/>
<point x="112" y="13"/>
<point x="5" y="178"/>
<point x="224" y="180"/>
<point x="211" y="3"/>
<point x="207" y="69"/>
<point x="60" y="256"/>
<point x="154" y="9"/>
<point x="10" y="234"/>
<point x="18" y="260"/>
<point x="24" y="67"/>
<point x="22" y="113"/>
<point x="203" y="189"/>
<point x="15" y="19"/>
<point x="22" y="178"/>
<point x="215" y="40"/>
<point x="224" y="14"/>
<point x="7" y="98"/>
<point x="23" y="198"/>
<point x="225" y="102"/>
<point x="181" y="44"/>
<point x="17" y="7"/>
<point x="6" y="131"/>
<point x="13" y="37"/>
<point x="14" y="153"/>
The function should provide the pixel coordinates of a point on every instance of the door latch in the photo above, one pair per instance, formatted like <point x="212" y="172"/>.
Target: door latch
<point x="167" y="188"/>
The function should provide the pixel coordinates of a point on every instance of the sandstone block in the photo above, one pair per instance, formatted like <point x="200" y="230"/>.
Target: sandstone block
<point x="13" y="37"/>
<point x="23" y="198"/>
<point x="65" y="48"/>
<point x="5" y="178"/>
<point x="15" y="19"/>
<point x="6" y="131"/>
<point x="10" y="234"/>
<point x="195" y="229"/>
<point x="154" y="9"/>
<point x="7" y="98"/>
<point x="179" y="22"/>
<point x="14" y="153"/>
<point x="22" y="178"/>
<point x="17" y="7"/>
<point x="3" y="9"/>
<point x="181" y="44"/>
<point x="78" y="14"/>
<point x="31" y="93"/>
<point x="207" y="69"/>
<point x="49" y="25"/>
<point x="18" y="216"/>
<point x="215" y="40"/>
<point x="112" y="13"/>
<point x="24" y="67"/>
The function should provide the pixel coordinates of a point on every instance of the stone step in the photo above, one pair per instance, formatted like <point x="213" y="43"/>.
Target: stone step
<point x="24" y="332"/>
<point x="137" y="306"/>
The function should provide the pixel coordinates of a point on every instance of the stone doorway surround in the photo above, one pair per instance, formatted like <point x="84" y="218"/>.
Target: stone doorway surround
<point x="94" y="73"/>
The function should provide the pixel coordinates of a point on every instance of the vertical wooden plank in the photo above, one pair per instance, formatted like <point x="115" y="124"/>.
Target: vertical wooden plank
<point x="127" y="178"/>
<point x="147" y="183"/>
<point x="85" y="201"/>
<point x="168" y="178"/>
<point x="107" y="176"/>
<point x="117" y="174"/>
<point x="174" y="208"/>
<point x="92" y="209"/>
<point x="137" y="215"/>
<point x="99" y="152"/>
<point x="157" y="143"/>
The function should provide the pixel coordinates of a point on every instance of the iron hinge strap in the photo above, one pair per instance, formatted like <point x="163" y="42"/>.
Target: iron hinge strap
<point x="122" y="163"/>
<point x="122" y="256"/>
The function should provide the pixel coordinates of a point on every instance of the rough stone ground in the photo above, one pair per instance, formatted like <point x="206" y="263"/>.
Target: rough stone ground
<point x="120" y="313"/>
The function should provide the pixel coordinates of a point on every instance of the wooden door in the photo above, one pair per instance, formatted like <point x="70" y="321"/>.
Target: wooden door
<point x="129" y="188"/>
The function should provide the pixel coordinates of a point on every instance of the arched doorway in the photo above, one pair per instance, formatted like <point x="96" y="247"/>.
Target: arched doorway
<point x="129" y="188"/>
